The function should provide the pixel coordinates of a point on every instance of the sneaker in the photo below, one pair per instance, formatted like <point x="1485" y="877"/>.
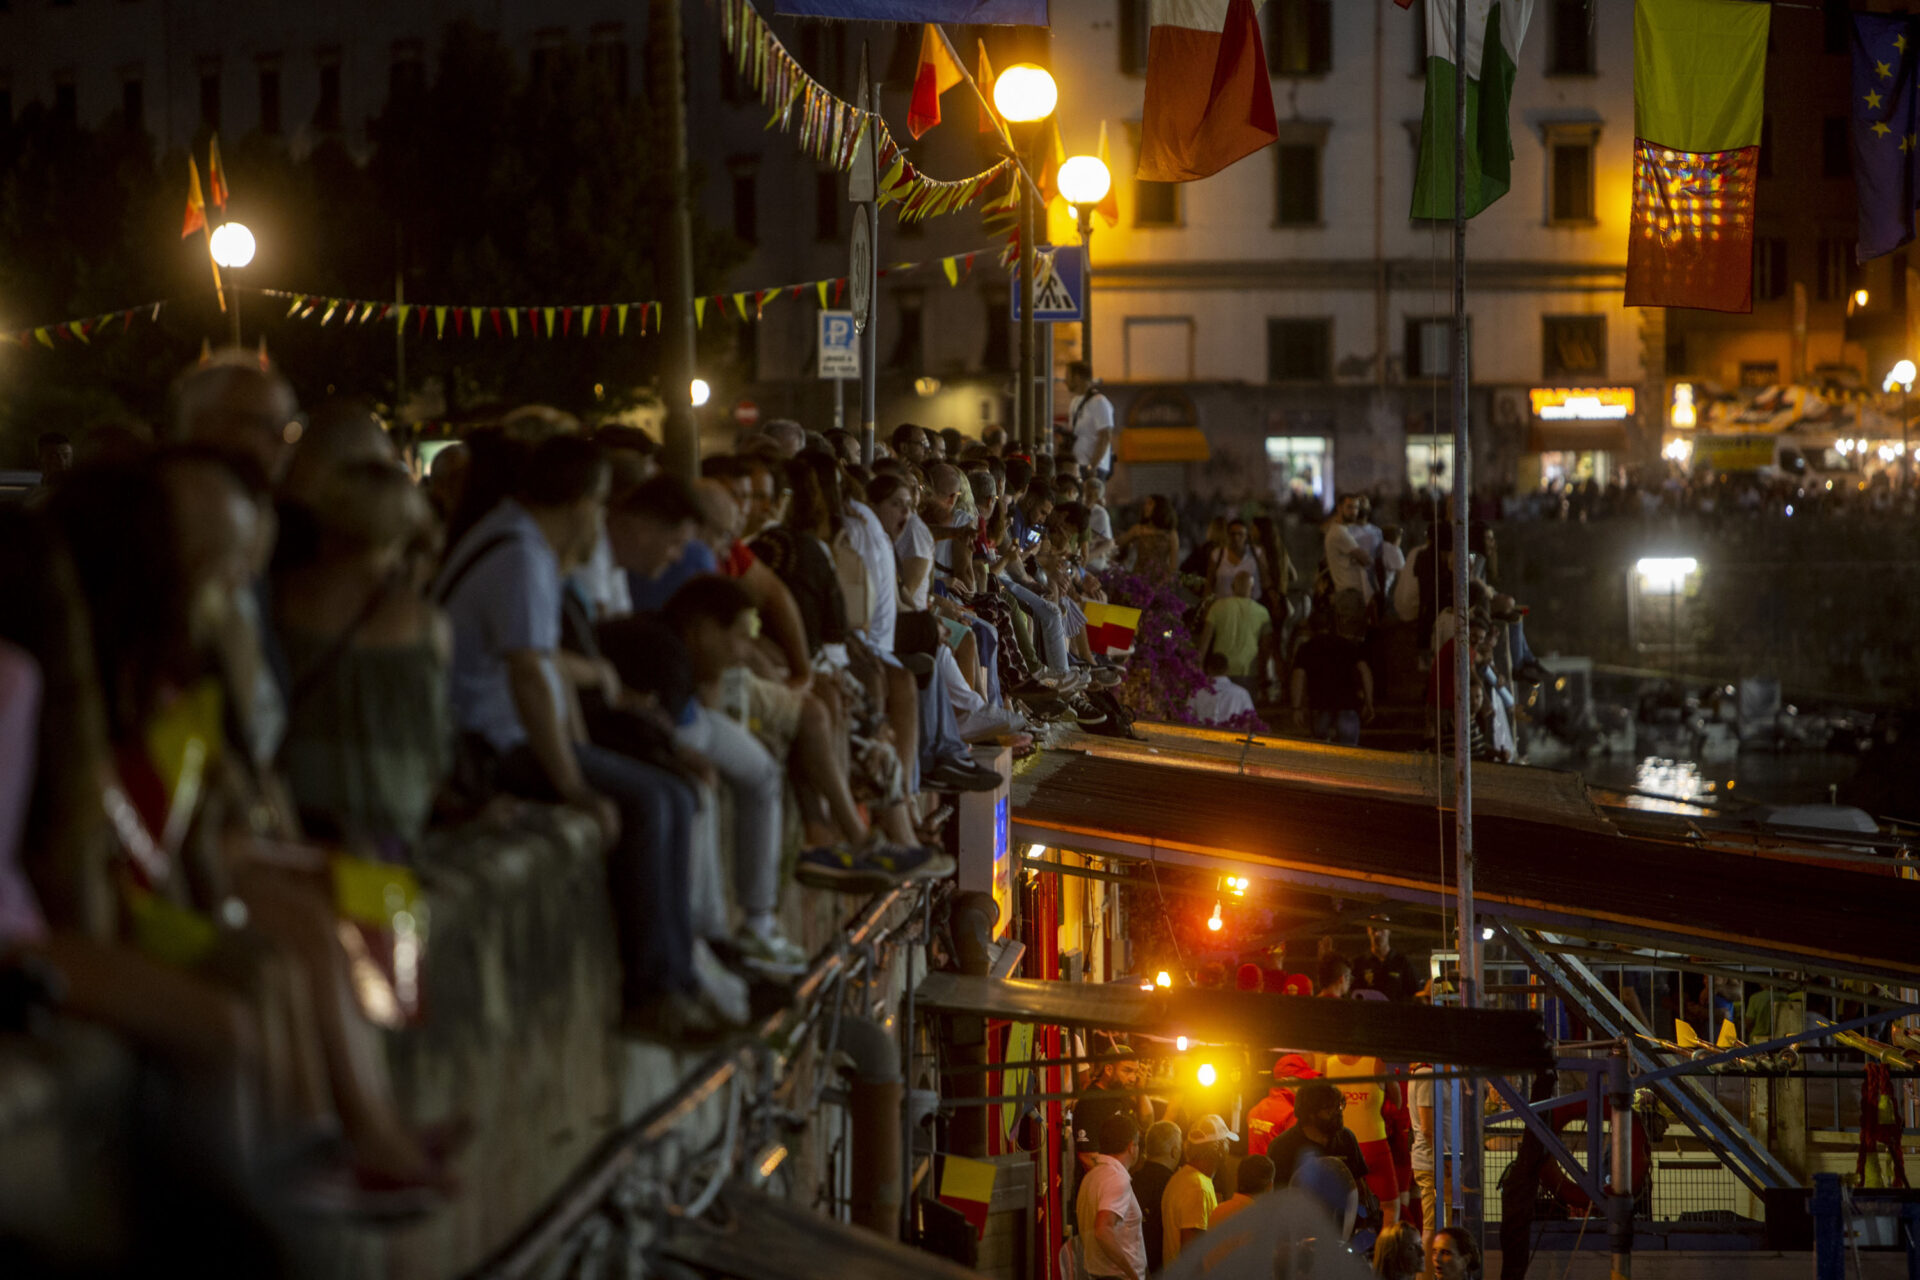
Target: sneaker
<point x="771" y="953"/>
<point x="960" y="775"/>
<point x="723" y="990"/>
<point x="1108" y="677"/>
<point x="834" y="867"/>
<point x="903" y="864"/>
<point x="1087" y="714"/>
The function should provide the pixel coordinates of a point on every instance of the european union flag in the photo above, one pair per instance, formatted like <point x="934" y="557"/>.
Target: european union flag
<point x="1885" y="62"/>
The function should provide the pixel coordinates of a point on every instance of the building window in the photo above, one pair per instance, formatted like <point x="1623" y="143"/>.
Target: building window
<point x="1298" y="202"/>
<point x="1573" y="346"/>
<point x="999" y="352"/>
<point x="1836" y="148"/>
<point x="133" y="102"/>
<point x="1570" y="149"/>
<point x="1429" y="461"/>
<point x="210" y="99"/>
<point x="1299" y="37"/>
<point x="1297" y="168"/>
<point x="1135" y="28"/>
<point x="1300" y="467"/>
<point x="1833" y="273"/>
<point x="1158" y="349"/>
<point x="826" y="206"/>
<point x="909" y="349"/>
<point x="746" y="207"/>
<point x="1769" y="268"/>
<point x="607" y="52"/>
<point x="1156" y="204"/>
<point x="1836" y="24"/>
<point x="1299" y="350"/>
<point x="270" y="101"/>
<point x="66" y="98"/>
<point x="1765" y="162"/>
<point x="1430" y="346"/>
<point x="820" y="53"/>
<point x="1570" y="38"/>
<point x="406" y="74"/>
<point x="326" y="115"/>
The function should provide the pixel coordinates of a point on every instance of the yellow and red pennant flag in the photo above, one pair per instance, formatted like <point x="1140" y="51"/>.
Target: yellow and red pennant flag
<point x="196" y="219"/>
<point x="938" y="72"/>
<point x="1698" y="75"/>
<point x="1110" y="627"/>
<point x="984" y="78"/>
<point x="216" y="176"/>
<point x="1109" y="206"/>
<point x="967" y="1185"/>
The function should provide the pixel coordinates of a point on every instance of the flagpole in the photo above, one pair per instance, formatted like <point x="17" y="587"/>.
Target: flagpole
<point x="667" y="50"/>
<point x="1470" y="1155"/>
<point x="219" y="290"/>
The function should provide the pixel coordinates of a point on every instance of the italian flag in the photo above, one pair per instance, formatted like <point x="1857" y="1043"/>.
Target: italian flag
<point x="1209" y="102"/>
<point x="1487" y="58"/>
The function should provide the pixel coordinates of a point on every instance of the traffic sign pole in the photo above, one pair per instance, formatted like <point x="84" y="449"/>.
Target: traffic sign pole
<point x="1024" y="405"/>
<point x="863" y="186"/>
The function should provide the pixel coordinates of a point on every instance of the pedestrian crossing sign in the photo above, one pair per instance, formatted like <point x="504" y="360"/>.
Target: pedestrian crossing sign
<point x="1059" y="283"/>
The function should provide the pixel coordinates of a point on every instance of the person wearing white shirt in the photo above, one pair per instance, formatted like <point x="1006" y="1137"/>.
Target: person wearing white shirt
<point x="1089" y="421"/>
<point x="1111" y="1236"/>
<point x="1347" y="562"/>
<point x="914" y="547"/>
<point x="1222" y="699"/>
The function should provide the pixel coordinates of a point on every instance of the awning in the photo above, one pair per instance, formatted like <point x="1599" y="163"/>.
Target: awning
<point x="1577" y="437"/>
<point x="1501" y="1039"/>
<point x="1545" y="873"/>
<point x="753" y="1234"/>
<point x="1164" y="444"/>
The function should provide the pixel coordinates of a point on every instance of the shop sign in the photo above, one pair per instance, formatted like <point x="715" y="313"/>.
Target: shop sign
<point x="1581" y="404"/>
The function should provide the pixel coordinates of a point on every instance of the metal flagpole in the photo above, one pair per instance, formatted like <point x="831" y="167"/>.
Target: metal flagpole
<point x="682" y="431"/>
<point x="1471" y="1147"/>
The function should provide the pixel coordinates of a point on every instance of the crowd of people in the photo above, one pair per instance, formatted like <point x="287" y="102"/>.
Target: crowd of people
<point x="1160" y="1168"/>
<point x="254" y="646"/>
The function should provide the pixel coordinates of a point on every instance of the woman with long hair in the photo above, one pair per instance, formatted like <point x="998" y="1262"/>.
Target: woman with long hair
<point x="1397" y="1253"/>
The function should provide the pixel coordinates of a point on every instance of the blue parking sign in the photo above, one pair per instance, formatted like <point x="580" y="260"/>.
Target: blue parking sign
<point x="1057" y="294"/>
<point x="839" y="346"/>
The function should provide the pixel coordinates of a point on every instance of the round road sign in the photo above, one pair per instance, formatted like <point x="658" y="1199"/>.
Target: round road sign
<point x="746" y="412"/>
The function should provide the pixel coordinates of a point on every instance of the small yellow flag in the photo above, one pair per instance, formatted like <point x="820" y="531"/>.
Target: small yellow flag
<point x="740" y="301"/>
<point x="699" y="312"/>
<point x="78" y="332"/>
<point x="473" y="316"/>
<point x="513" y="321"/>
<point x="439" y="322"/>
<point x="400" y="312"/>
<point x="549" y="313"/>
<point x="821" y="286"/>
<point x="952" y="267"/>
<point x="45" y="337"/>
<point x="621" y="310"/>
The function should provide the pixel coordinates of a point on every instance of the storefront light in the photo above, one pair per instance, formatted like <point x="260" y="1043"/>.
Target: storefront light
<point x="1660" y="573"/>
<point x="1163" y="979"/>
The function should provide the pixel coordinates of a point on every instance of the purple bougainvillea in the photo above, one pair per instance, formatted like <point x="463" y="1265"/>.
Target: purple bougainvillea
<point x="1164" y="672"/>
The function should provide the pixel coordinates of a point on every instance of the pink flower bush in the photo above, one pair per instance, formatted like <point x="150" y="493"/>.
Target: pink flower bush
<point x="1164" y="672"/>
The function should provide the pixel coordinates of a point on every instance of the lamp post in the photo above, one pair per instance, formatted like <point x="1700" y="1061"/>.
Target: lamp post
<point x="1085" y="181"/>
<point x="1901" y="375"/>
<point x="232" y="246"/>
<point x="1024" y="95"/>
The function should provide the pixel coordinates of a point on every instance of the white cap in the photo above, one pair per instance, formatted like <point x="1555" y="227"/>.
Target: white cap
<point x="1211" y="1129"/>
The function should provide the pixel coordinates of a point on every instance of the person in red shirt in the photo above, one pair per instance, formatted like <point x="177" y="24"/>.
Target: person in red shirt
<point x="1273" y="1115"/>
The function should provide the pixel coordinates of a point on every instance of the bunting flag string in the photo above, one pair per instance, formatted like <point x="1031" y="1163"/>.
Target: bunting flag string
<point x="588" y="320"/>
<point x="84" y="330"/>
<point x="591" y="319"/>
<point x="829" y="128"/>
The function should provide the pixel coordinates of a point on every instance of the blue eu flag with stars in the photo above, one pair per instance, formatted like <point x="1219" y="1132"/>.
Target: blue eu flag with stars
<point x="1885" y="59"/>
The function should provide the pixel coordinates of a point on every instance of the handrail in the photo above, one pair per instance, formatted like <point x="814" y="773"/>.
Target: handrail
<point x="601" y="1172"/>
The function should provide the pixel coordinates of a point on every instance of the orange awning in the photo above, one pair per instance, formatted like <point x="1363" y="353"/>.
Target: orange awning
<point x="1164" y="444"/>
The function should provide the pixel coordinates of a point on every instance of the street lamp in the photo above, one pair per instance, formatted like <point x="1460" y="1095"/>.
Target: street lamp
<point x="1025" y="94"/>
<point x="1902" y="375"/>
<point x="699" y="392"/>
<point x="1085" y="181"/>
<point x="232" y="246"/>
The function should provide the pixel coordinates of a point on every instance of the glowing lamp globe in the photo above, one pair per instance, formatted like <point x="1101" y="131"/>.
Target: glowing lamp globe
<point x="232" y="245"/>
<point x="1025" y="93"/>
<point x="1207" y="1075"/>
<point x="1084" y="180"/>
<point x="699" y="392"/>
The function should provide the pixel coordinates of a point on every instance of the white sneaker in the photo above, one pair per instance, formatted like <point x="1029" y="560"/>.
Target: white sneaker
<point x="771" y="953"/>
<point x="725" y="990"/>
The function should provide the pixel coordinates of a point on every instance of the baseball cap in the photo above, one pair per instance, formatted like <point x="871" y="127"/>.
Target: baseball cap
<point x="1211" y="1129"/>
